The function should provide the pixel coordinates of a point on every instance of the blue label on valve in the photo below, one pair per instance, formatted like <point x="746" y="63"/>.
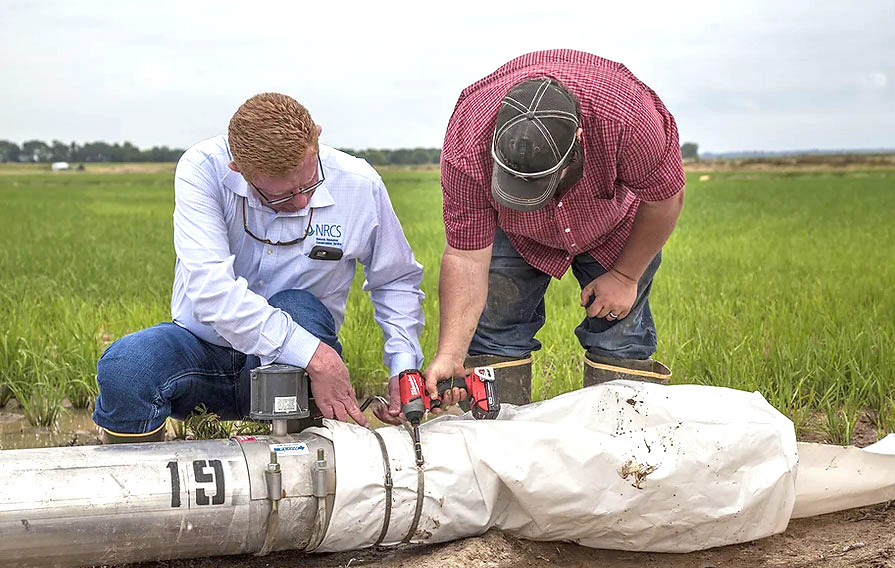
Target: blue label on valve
<point x="291" y="449"/>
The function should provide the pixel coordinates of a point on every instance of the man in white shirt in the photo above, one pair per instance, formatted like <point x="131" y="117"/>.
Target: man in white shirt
<point x="268" y="227"/>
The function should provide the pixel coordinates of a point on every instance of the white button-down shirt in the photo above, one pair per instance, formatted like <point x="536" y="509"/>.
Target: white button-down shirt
<point x="223" y="277"/>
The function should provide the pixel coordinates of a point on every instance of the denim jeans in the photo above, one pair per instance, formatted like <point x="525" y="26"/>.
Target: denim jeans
<point x="166" y="371"/>
<point x="514" y="311"/>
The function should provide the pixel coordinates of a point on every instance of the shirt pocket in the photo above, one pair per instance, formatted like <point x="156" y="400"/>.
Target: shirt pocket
<point x="324" y="277"/>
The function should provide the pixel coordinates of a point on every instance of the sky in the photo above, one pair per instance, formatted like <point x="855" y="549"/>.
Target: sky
<point x="749" y="75"/>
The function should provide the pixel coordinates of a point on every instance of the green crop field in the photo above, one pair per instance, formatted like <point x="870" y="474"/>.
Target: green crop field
<point x="776" y="282"/>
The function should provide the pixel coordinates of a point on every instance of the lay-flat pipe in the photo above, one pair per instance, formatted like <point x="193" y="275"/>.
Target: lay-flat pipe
<point x="623" y="465"/>
<point x="141" y="502"/>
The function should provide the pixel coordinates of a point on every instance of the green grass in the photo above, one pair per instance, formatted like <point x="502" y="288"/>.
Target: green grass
<point x="775" y="282"/>
<point x="204" y="425"/>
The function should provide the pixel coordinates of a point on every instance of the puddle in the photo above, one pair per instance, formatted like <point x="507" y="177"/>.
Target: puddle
<point x="74" y="427"/>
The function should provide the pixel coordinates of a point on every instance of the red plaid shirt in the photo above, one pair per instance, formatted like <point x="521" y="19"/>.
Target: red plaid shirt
<point x="631" y="152"/>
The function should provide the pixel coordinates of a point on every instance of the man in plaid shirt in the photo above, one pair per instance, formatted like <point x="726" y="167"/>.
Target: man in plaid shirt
<point x="558" y="159"/>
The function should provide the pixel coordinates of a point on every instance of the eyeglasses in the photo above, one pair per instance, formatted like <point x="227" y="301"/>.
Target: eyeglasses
<point x="245" y="226"/>
<point x="292" y="194"/>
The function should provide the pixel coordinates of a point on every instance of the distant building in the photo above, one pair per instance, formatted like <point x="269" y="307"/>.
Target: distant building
<point x="59" y="166"/>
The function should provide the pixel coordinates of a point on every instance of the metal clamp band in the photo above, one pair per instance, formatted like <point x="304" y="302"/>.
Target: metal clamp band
<point x="270" y="535"/>
<point x="420" y="489"/>
<point x="386" y="466"/>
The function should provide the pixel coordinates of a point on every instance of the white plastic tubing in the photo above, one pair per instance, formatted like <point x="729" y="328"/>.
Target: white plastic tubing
<point x="623" y="465"/>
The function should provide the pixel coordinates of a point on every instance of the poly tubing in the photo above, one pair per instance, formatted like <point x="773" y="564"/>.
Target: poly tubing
<point x="623" y="465"/>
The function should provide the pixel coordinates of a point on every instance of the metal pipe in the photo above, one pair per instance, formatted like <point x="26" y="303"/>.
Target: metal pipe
<point x="279" y="428"/>
<point x="141" y="502"/>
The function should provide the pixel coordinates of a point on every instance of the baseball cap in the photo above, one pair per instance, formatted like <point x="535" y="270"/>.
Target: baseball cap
<point x="533" y="141"/>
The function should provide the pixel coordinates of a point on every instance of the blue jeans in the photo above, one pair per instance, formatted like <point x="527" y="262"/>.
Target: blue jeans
<point x="514" y="311"/>
<point x="166" y="371"/>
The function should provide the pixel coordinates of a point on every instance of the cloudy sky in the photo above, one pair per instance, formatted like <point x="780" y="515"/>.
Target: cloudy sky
<point x="751" y="75"/>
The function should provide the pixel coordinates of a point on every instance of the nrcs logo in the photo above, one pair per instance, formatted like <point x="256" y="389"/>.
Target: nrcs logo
<point x="331" y="231"/>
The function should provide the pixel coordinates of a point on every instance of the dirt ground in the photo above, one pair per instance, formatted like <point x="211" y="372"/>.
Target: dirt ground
<point x="803" y="163"/>
<point x="90" y="167"/>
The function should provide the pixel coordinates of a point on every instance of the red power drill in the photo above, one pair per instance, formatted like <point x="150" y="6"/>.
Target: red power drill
<point x="415" y="401"/>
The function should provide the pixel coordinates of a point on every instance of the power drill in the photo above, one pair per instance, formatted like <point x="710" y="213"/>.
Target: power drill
<point x="415" y="401"/>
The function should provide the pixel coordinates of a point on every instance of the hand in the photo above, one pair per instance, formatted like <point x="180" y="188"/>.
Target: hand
<point x="613" y="295"/>
<point x="441" y="368"/>
<point x="331" y="386"/>
<point x="392" y="413"/>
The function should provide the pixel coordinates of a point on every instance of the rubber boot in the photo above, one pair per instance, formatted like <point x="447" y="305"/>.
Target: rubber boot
<point x="513" y="376"/>
<point x="598" y="369"/>
<point x="110" y="437"/>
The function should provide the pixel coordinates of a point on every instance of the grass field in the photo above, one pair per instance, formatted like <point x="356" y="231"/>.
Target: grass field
<point x="780" y="282"/>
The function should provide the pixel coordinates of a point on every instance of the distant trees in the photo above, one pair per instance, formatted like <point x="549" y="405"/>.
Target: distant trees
<point x="9" y="152"/>
<point x="399" y="157"/>
<point x="35" y="151"/>
<point x="58" y="151"/>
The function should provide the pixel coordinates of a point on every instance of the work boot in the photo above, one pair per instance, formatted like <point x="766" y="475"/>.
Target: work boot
<point x="512" y="375"/>
<point x="599" y="369"/>
<point x="110" y="437"/>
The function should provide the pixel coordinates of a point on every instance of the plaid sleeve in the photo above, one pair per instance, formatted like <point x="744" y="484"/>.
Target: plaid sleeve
<point x="650" y="161"/>
<point x="469" y="219"/>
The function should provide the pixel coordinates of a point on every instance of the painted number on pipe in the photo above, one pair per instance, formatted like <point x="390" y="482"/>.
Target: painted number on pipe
<point x="175" y="484"/>
<point x="215" y="476"/>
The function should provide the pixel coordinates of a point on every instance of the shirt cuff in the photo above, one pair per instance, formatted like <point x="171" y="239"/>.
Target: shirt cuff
<point x="402" y="362"/>
<point x="299" y="348"/>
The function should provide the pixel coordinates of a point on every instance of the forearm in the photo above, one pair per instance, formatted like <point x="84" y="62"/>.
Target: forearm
<point x="462" y="291"/>
<point x="393" y="278"/>
<point x="398" y="311"/>
<point x="653" y="224"/>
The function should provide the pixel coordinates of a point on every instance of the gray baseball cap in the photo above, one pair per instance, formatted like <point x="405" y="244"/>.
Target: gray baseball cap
<point x="533" y="140"/>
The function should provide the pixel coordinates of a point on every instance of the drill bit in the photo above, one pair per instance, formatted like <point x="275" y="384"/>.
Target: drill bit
<point x="417" y="446"/>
